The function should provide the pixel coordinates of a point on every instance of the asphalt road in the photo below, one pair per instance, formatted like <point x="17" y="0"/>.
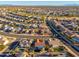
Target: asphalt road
<point x="73" y="51"/>
<point x="24" y="35"/>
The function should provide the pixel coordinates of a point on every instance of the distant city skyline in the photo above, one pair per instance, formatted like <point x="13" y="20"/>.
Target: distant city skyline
<point x="41" y="3"/>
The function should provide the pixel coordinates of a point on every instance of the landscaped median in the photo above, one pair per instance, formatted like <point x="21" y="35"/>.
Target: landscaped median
<point x="2" y="47"/>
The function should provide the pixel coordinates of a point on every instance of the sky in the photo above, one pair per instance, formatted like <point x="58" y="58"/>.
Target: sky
<point x="37" y="3"/>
